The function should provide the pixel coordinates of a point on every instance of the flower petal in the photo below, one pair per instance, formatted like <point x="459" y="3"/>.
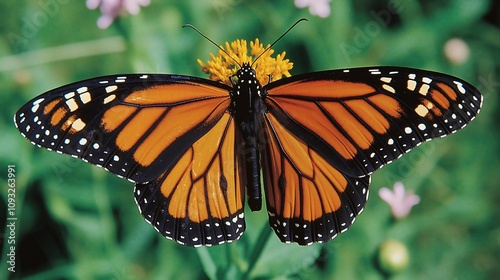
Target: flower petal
<point x="399" y="201"/>
<point x="227" y="62"/>
<point x="386" y="194"/>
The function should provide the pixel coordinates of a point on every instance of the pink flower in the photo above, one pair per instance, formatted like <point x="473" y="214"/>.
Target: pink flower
<point x="320" y="8"/>
<point x="400" y="201"/>
<point x="112" y="9"/>
<point x="457" y="51"/>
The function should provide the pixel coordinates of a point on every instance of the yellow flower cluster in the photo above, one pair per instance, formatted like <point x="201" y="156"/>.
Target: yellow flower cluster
<point x="222" y="66"/>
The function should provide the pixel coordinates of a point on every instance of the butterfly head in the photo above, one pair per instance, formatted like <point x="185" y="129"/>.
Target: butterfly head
<point x="246" y="74"/>
<point x="245" y="77"/>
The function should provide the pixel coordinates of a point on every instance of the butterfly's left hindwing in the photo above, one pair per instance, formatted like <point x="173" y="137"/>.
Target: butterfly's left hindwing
<point x="199" y="201"/>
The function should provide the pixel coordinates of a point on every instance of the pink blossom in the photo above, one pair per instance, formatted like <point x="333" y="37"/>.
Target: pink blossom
<point x="457" y="51"/>
<point x="400" y="201"/>
<point x="112" y="9"/>
<point x="320" y="8"/>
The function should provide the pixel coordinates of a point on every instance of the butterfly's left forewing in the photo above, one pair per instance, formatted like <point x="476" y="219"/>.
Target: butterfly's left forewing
<point x="131" y="125"/>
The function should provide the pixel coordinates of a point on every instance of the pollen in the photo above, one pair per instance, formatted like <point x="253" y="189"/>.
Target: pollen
<point x="223" y="66"/>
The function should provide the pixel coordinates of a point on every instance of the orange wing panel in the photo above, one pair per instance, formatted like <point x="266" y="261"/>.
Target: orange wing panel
<point x="177" y="121"/>
<point x="324" y="89"/>
<point x="174" y="93"/>
<point x="309" y="114"/>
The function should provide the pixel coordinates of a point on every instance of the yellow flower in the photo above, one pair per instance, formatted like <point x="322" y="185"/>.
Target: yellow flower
<point x="222" y="66"/>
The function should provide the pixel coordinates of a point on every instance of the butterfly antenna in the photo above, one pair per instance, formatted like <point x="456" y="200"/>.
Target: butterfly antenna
<point x="210" y="40"/>
<point x="276" y="41"/>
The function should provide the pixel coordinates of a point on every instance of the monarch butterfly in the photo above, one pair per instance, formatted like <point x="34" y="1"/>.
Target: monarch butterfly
<point x="192" y="146"/>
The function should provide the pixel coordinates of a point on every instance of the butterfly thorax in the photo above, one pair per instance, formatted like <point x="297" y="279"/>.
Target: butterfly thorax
<point x="247" y="91"/>
<point x="247" y="106"/>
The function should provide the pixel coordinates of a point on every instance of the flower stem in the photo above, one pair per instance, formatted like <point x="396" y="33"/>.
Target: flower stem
<point x="260" y="244"/>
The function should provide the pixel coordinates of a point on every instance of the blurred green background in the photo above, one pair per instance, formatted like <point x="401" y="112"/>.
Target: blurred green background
<point x="76" y="221"/>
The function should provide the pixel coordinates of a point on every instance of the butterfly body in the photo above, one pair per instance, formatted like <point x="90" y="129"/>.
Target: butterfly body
<point x="248" y="109"/>
<point x="192" y="146"/>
